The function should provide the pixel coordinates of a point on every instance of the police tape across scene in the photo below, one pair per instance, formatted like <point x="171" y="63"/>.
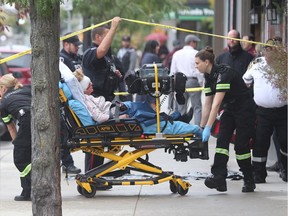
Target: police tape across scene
<point x="134" y="21"/>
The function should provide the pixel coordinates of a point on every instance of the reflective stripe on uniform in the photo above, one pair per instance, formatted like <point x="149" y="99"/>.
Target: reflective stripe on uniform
<point x="26" y="171"/>
<point x="259" y="159"/>
<point x="222" y="151"/>
<point x="222" y="86"/>
<point x="243" y="156"/>
<point x="7" y="119"/>
<point x="283" y="153"/>
<point x="207" y="90"/>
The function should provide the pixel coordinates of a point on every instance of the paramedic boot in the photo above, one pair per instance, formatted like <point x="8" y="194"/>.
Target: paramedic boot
<point x="283" y="175"/>
<point x="71" y="169"/>
<point x="217" y="182"/>
<point x="249" y="185"/>
<point x="24" y="196"/>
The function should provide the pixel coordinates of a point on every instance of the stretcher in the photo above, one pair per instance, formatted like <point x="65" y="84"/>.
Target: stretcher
<point x="110" y="139"/>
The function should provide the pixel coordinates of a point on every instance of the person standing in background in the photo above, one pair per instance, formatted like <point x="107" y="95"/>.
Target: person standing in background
<point x="235" y="56"/>
<point x="184" y="61"/>
<point x="129" y="59"/>
<point x="248" y="46"/>
<point x="149" y="56"/>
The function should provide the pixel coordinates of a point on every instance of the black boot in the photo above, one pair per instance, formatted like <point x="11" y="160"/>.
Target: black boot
<point x="24" y="196"/>
<point x="283" y="175"/>
<point x="249" y="185"/>
<point x="216" y="182"/>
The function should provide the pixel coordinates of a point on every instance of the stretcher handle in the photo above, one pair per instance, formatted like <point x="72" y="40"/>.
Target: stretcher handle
<point x="157" y="98"/>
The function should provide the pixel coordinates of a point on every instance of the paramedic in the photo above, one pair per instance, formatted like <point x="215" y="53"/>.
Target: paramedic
<point x="97" y="64"/>
<point x="224" y="85"/>
<point x="15" y="105"/>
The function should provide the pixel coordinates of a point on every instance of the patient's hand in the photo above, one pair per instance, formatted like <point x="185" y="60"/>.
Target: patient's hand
<point x="124" y="116"/>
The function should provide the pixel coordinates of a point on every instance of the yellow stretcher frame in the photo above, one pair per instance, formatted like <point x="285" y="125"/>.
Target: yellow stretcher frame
<point x="108" y="139"/>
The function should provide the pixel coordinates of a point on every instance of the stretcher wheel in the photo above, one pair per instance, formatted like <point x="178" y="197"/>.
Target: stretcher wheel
<point x="173" y="187"/>
<point x="91" y="194"/>
<point x="181" y="191"/>
<point x="79" y="189"/>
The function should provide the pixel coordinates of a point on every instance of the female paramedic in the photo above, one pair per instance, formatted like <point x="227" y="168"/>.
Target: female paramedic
<point x="15" y="105"/>
<point x="225" y="87"/>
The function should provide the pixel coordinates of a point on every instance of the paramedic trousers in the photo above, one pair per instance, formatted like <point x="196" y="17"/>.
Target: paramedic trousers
<point x="268" y="121"/>
<point x="239" y="115"/>
<point x="22" y="153"/>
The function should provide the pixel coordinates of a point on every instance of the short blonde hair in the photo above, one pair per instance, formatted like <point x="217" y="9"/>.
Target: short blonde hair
<point x="78" y="74"/>
<point x="9" y="81"/>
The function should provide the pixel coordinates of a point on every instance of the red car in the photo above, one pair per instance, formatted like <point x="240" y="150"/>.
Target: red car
<point x="19" y="67"/>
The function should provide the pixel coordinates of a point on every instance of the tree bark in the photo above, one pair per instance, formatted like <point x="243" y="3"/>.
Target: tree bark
<point x="46" y="187"/>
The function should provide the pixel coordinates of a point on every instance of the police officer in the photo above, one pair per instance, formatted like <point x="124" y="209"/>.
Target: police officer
<point x="271" y="113"/>
<point x="98" y="65"/>
<point x="69" y="53"/>
<point x="15" y="105"/>
<point x="70" y="57"/>
<point x="222" y="84"/>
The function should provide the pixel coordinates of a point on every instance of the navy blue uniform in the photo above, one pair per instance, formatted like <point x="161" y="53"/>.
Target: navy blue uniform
<point x="238" y="114"/>
<point x="101" y="72"/>
<point x="72" y="61"/>
<point x="16" y="105"/>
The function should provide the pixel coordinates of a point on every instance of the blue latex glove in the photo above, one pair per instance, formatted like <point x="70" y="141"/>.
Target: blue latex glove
<point x="206" y="133"/>
<point x="196" y="130"/>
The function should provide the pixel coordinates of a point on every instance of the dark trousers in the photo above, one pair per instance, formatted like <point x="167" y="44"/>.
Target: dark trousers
<point x="22" y="153"/>
<point x="269" y="120"/>
<point x="92" y="161"/>
<point x="239" y="115"/>
<point x="66" y="157"/>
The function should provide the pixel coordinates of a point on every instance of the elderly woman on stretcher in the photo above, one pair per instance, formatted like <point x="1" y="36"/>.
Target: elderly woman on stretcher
<point x="101" y="111"/>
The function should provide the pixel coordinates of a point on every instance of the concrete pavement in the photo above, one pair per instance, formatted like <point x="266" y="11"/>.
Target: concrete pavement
<point x="268" y="199"/>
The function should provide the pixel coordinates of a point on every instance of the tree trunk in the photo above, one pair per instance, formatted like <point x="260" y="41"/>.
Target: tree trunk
<point x="46" y="188"/>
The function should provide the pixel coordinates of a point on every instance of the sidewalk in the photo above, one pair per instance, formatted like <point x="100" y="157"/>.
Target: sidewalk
<point x="268" y="199"/>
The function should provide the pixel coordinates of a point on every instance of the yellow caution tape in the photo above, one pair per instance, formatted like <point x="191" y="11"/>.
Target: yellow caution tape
<point x="187" y="90"/>
<point x="192" y="31"/>
<point x="61" y="39"/>
<point x="134" y="21"/>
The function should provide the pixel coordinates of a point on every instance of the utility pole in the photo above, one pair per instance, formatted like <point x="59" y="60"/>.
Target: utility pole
<point x="67" y="5"/>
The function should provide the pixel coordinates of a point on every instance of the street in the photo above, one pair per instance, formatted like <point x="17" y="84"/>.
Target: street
<point x="268" y="199"/>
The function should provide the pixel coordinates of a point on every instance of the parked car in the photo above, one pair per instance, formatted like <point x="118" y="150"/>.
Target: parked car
<point x="19" y="67"/>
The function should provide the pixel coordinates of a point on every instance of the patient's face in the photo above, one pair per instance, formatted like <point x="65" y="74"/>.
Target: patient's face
<point x="89" y="89"/>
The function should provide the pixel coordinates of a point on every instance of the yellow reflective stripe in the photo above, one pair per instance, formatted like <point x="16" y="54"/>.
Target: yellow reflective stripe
<point x="243" y="156"/>
<point x="207" y="90"/>
<point x="222" y="151"/>
<point x="26" y="171"/>
<point x="7" y="118"/>
<point x="222" y="86"/>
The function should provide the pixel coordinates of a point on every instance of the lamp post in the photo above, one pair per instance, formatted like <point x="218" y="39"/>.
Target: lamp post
<point x="271" y="12"/>
<point x="253" y="16"/>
